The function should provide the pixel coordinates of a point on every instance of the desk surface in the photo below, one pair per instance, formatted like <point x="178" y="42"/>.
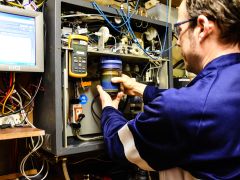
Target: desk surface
<point x="20" y="132"/>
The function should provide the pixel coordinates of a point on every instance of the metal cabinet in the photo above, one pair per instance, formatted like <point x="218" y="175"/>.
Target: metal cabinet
<point x="51" y="105"/>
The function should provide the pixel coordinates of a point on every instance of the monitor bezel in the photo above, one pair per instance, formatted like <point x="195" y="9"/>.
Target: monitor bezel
<point x="38" y="16"/>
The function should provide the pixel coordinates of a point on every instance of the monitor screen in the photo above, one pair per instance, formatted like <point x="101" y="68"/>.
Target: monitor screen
<point x="21" y="40"/>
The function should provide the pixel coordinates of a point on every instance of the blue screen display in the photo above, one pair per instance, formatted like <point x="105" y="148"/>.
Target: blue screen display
<point x="17" y="40"/>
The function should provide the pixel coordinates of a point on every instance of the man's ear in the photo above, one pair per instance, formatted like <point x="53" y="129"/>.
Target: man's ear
<point x="204" y="27"/>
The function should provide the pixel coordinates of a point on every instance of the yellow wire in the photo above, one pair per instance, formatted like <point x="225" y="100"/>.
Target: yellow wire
<point x="40" y="5"/>
<point x="11" y="110"/>
<point x="15" y="4"/>
<point x="21" y="6"/>
<point x="9" y="95"/>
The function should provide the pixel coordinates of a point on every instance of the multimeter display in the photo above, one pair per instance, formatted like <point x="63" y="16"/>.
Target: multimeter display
<point x="78" y="56"/>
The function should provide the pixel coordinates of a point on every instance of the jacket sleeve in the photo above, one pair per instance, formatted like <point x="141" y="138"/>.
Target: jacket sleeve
<point x="112" y="120"/>
<point x="150" y="93"/>
<point x="153" y="140"/>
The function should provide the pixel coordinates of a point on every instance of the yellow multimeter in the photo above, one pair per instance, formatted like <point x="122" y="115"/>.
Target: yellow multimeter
<point x="78" y="56"/>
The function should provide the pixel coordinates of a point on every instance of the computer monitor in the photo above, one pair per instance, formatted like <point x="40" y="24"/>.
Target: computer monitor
<point x="21" y="40"/>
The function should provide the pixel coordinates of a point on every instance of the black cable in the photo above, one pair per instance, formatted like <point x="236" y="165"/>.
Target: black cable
<point x="174" y="36"/>
<point x="178" y="63"/>
<point x="133" y="5"/>
<point x="5" y="82"/>
<point x="92" y="109"/>
<point x="96" y="120"/>
<point x="122" y="109"/>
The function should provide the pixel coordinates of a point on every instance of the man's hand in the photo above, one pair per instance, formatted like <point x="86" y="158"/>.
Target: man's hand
<point x="106" y="99"/>
<point x="129" y="85"/>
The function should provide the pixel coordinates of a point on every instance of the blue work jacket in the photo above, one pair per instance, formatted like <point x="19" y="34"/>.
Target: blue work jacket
<point x="196" y="127"/>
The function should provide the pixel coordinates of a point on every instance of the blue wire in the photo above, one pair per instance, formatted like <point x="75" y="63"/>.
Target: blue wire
<point x="126" y="22"/>
<point x="134" y="38"/>
<point x="169" y="48"/>
<point x="105" y="17"/>
<point x="129" y="17"/>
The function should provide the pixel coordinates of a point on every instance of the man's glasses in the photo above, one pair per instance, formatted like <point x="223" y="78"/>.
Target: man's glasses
<point x="177" y="26"/>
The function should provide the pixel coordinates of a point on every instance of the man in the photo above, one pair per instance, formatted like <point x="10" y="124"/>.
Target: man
<point x="196" y="128"/>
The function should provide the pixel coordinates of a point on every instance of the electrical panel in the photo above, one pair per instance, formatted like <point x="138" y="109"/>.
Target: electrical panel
<point x="81" y="34"/>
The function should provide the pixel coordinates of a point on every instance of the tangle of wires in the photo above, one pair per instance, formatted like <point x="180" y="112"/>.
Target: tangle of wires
<point x="15" y="98"/>
<point x="126" y="17"/>
<point x="8" y="85"/>
<point x="33" y="147"/>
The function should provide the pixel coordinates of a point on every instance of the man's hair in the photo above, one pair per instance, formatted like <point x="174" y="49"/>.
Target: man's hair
<point x="226" y="14"/>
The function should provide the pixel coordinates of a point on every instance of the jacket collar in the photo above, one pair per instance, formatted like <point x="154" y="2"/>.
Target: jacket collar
<point x="218" y="63"/>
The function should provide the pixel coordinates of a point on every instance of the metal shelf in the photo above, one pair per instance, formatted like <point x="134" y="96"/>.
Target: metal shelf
<point x="113" y="11"/>
<point x="124" y="57"/>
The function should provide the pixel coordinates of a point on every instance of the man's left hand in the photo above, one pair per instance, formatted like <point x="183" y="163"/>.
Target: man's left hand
<point x="106" y="99"/>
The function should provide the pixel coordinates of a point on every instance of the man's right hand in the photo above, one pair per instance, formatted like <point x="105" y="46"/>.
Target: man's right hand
<point x="129" y="85"/>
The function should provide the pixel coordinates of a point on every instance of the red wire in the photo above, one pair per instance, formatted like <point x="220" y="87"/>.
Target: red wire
<point x="9" y="89"/>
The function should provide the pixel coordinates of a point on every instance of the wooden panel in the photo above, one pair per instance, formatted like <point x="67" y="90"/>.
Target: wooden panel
<point x="20" y="132"/>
